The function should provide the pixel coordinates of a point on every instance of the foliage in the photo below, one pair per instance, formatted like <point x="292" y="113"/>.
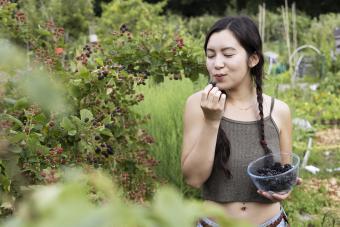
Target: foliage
<point x="156" y="55"/>
<point x="68" y="204"/>
<point x="65" y="102"/>
<point x="135" y="14"/>
<point x="199" y="26"/>
<point x="324" y="40"/>
<point x="274" y="30"/>
<point x="156" y="49"/>
<point x="97" y="129"/>
<point x="44" y="42"/>
<point x="331" y="83"/>
<point x="75" y="16"/>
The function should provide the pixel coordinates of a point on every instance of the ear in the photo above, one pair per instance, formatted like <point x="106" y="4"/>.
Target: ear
<point x="253" y="60"/>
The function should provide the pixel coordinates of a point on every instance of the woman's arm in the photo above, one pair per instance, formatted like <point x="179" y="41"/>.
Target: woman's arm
<point x="201" y="119"/>
<point x="285" y="126"/>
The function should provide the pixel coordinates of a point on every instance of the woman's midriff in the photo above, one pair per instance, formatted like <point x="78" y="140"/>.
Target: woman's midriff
<point x="256" y="213"/>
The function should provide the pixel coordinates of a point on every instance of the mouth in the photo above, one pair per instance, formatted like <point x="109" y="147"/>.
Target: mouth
<point x="219" y="75"/>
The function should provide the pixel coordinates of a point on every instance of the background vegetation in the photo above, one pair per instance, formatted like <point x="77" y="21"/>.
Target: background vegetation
<point x="116" y="106"/>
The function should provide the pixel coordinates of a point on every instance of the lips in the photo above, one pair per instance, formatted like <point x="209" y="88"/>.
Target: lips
<point x="219" y="75"/>
<point x="219" y="78"/>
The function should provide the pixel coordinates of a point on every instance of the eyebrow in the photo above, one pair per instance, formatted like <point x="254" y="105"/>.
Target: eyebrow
<point x="223" y="49"/>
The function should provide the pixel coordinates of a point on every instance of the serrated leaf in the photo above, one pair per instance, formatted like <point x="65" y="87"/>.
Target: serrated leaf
<point x="21" y="103"/>
<point x="16" y="150"/>
<point x="72" y="132"/>
<point x="86" y="114"/>
<point x="105" y="131"/>
<point x="76" y="82"/>
<point x="17" y="137"/>
<point x="10" y="101"/>
<point x="67" y="124"/>
<point x="40" y="118"/>
<point x="109" y="91"/>
<point x="11" y="118"/>
<point x="99" y="61"/>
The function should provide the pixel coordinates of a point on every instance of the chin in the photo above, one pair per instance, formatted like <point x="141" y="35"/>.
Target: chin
<point x="222" y="86"/>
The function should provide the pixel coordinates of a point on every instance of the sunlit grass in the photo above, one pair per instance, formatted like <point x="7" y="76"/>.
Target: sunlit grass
<point x="165" y="103"/>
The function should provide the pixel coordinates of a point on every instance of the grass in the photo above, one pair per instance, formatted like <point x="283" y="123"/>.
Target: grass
<point x="165" y="103"/>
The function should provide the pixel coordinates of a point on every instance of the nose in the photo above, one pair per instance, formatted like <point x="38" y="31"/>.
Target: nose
<point x="219" y="63"/>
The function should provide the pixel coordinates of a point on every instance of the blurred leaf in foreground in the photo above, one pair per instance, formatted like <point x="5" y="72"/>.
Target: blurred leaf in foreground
<point x="70" y="204"/>
<point x="38" y="85"/>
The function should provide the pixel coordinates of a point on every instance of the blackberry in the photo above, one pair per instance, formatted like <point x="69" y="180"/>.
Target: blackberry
<point x="110" y="151"/>
<point x="213" y="83"/>
<point x="276" y="184"/>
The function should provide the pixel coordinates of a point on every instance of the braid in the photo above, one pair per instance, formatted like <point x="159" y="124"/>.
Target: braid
<point x="222" y="152"/>
<point x="258" y="82"/>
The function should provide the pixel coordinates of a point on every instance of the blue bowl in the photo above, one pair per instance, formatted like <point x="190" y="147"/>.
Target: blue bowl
<point x="279" y="183"/>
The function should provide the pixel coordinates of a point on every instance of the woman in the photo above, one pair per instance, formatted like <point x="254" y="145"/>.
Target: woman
<point x="228" y="125"/>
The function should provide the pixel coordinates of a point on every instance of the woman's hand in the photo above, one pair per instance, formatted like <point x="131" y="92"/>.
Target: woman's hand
<point x="278" y="197"/>
<point x="213" y="103"/>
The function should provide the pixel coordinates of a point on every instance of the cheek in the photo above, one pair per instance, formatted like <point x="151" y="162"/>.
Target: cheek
<point x="237" y="63"/>
<point x="209" y="64"/>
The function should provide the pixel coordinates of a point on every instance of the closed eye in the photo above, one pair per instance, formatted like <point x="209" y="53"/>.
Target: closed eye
<point x="228" y="55"/>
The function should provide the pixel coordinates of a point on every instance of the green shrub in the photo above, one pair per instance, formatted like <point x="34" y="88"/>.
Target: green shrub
<point x="90" y="199"/>
<point x="96" y="128"/>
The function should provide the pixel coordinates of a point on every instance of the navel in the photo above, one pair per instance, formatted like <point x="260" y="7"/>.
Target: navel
<point x="244" y="208"/>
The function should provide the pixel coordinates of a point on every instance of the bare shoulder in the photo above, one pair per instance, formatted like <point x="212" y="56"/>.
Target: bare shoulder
<point x="281" y="108"/>
<point x="281" y="114"/>
<point x="195" y="97"/>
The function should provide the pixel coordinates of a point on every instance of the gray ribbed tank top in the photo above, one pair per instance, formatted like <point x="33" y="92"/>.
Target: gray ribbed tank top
<point x="244" y="138"/>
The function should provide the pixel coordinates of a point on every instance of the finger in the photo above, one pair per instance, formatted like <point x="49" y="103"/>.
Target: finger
<point x="299" y="181"/>
<point x="222" y="100"/>
<point x="217" y="96"/>
<point x="212" y="94"/>
<point x="280" y="197"/>
<point x="205" y="92"/>
<point x="265" y="194"/>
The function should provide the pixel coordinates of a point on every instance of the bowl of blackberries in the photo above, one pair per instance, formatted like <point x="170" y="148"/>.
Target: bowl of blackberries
<point x="275" y="173"/>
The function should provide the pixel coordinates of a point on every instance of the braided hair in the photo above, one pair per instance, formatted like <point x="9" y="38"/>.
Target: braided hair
<point x="246" y="32"/>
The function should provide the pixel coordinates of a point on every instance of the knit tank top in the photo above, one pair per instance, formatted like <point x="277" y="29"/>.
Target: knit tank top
<point x="244" y="138"/>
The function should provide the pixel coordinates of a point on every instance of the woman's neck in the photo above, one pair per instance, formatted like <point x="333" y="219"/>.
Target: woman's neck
<point x="245" y="95"/>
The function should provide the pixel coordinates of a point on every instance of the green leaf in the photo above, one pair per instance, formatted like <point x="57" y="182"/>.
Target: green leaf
<point x="10" y="101"/>
<point x="76" y="82"/>
<point x="16" y="150"/>
<point x="40" y="118"/>
<point x="105" y="131"/>
<point x="99" y="61"/>
<point x="11" y="118"/>
<point x="21" y="103"/>
<point x="67" y="124"/>
<point x="72" y="132"/>
<point x="86" y="115"/>
<point x="17" y="137"/>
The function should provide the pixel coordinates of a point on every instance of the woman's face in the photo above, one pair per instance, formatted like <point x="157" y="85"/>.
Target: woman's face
<point x="227" y="61"/>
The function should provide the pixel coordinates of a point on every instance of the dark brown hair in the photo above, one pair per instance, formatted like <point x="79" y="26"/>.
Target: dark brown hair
<point x="247" y="34"/>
